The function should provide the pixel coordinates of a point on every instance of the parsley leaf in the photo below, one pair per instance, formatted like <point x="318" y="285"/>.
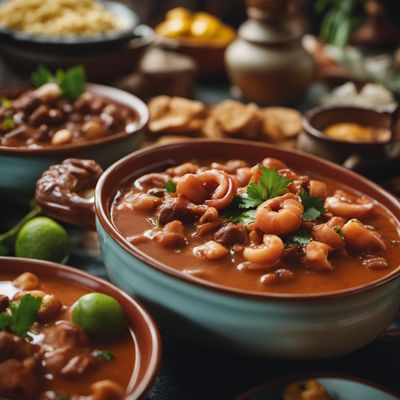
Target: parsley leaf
<point x="298" y="238"/>
<point x="8" y="123"/>
<point x="339" y="232"/>
<point x="313" y="206"/>
<point x="170" y="186"/>
<point x="270" y="185"/>
<point x="24" y="313"/>
<point x="72" y="82"/>
<point x="103" y="355"/>
<point x="245" y="218"/>
<point x="41" y="76"/>
<point x="5" y="320"/>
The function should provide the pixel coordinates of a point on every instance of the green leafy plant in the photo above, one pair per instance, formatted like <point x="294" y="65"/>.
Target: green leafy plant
<point x="170" y="186"/>
<point x="339" y="20"/>
<point x="298" y="238"/>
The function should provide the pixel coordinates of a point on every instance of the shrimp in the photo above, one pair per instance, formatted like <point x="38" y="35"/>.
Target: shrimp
<point x="341" y="206"/>
<point x="213" y="187"/>
<point x="318" y="189"/>
<point x="268" y="253"/>
<point x="210" y="250"/>
<point x="183" y="169"/>
<point x="280" y="215"/>
<point x="317" y="256"/>
<point x="172" y="235"/>
<point x="359" y="237"/>
<point x="325" y="233"/>
<point x="153" y="180"/>
<point x="243" y="176"/>
<point x="273" y="163"/>
<point x="230" y="166"/>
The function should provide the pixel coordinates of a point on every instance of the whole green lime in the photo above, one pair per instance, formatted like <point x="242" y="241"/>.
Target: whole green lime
<point x="42" y="238"/>
<point x="99" y="315"/>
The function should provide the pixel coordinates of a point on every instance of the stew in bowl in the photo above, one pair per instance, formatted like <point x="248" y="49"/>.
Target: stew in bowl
<point x="195" y="230"/>
<point x="74" y="344"/>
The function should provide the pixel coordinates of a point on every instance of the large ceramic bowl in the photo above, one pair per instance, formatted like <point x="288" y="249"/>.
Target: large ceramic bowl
<point x="21" y="167"/>
<point x="289" y="326"/>
<point x="146" y="336"/>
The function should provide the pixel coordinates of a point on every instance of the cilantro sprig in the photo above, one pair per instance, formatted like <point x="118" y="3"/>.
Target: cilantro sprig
<point x="72" y="82"/>
<point x="313" y="206"/>
<point x="298" y="238"/>
<point x="22" y="315"/>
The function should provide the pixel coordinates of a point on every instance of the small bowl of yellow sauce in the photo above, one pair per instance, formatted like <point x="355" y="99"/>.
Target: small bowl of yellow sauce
<point x="199" y="35"/>
<point x="365" y="140"/>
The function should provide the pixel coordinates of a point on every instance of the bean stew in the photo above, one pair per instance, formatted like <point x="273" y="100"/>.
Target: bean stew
<point x="43" y="117"/>
<point x="260" y="228"/>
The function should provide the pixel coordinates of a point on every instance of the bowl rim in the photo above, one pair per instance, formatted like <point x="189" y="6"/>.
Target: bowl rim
<point x="285" y="379"/>
<point x="102" y="207"/>
<point x="127" y="99"/>
<point x="144" y="385"/>
<point x="309" y="128"/>
<point x="176" y="43"/>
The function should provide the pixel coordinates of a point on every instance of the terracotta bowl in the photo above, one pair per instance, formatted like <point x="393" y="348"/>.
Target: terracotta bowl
<point x="280" y="325"/>
<point x="368" y="158"/>
<point x="147" y="338"/>
<point x="21" y="167"/>
<point x="209" y="57"/>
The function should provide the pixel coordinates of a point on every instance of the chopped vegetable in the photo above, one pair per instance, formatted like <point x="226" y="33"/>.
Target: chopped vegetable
<point x="339" y="232"/>
<point x="170" y="186"/>
<point x="298" y="238"/>
<point x="72" y="82"/>
<point x="23" y="315"/>
<point x="313" y="206"/>
<point x="103" y="355"/>
<point x="5" y="103"/>
<point x="8" y="123"/>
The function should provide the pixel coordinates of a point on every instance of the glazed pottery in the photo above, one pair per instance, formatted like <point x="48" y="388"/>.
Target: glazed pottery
<point x="279" y="325"/>
<point x="368" y="158"/>
<point x="147" y="338"/>
<point x="339" y="386"/>
<point x="21" y="167"/>
<point x="267" y="62"/>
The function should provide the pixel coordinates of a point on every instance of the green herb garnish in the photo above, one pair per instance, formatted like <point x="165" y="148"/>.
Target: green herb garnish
<point x="270" y="185"/>
<point x="8" y="123"/>
<point x="298" y="238"/>
<point x="41" y="76"/>
<point x="103" y="355"/>
<point x="245" y="218"/>
<point x="72" y="82"/>
<point x="339" y="232"/>
<point x="170" y="186"/>
<point x="23" y="315"/>
<point x="313" y="206"/>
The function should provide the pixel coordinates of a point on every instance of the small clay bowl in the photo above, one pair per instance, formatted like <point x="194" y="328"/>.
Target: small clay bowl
<point x="146" y="335"/>
<point x="364" y="157"/>
<point x="21" y="166"/>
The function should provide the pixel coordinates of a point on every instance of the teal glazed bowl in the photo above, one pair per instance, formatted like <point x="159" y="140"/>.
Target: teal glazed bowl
<point x="339" y="386"/>
<point x="277" y="325"/>
<point x="21" y="167"/>
<point x="145" y="333"/>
